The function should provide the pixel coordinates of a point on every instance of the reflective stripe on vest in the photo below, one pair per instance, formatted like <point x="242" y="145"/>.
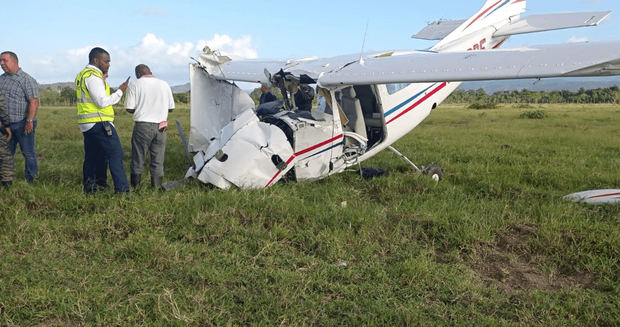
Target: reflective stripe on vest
<point x="87" y="109"/>
<point x="84" y="100"/>
<point x="93" y="115"/>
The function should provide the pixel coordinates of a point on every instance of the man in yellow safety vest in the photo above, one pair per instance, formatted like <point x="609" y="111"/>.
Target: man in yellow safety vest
<point x="95" y="115"/>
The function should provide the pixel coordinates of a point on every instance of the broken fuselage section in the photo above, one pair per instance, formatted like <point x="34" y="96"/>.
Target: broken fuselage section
<point x="235" y="147"/>
<point x="238" y="145"/>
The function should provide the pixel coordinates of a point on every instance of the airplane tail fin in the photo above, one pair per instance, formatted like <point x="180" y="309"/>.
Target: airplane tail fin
<point x="477" y="32"/>
<point x="496" y="21"/>
<point x="493" y="12"/>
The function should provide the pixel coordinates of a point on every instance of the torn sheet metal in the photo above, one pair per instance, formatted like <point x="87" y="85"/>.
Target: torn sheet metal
<point x="315" y="145"/>
<point x="251" y="155"/>
<point x="213" y="107"/>
<point x="235" y="148"/>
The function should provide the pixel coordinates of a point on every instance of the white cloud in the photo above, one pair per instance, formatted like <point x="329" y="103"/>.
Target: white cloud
<point x="576" y="39"/>
<point x="168" y="61"/>
<point x="236" y="49"/>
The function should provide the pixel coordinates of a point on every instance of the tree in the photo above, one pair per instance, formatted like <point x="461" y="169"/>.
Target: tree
<point x="181" y="97"/>
<point x="68" y="95"/>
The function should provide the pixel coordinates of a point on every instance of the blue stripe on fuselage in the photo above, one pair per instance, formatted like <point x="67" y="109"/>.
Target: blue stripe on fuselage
<point x="327" y="149"/>
<point x="391" y="111"/>
<point x="494" y="10"/>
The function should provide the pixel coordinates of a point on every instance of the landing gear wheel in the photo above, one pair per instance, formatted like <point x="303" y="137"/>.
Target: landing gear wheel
<point x="434" y="171"/>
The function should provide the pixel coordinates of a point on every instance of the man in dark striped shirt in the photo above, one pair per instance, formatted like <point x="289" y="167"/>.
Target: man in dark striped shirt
<point x="21" y="95"/>
<point x="6" y="159"/>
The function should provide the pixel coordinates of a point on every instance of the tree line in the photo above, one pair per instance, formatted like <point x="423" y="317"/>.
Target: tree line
<point x="600" y="95"/>
<point x="66" y="96"/>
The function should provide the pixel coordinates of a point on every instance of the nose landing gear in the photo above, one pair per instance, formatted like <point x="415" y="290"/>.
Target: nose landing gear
<point x="432" y="170"/>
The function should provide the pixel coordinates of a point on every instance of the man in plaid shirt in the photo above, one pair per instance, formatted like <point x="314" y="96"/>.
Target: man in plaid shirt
<point x="21" y="95"/>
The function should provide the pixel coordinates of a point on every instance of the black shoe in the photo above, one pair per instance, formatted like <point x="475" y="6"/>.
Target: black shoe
<point x="135" y="180"/>
<point x="6" y="183"/>
<point x="156" y="181"/>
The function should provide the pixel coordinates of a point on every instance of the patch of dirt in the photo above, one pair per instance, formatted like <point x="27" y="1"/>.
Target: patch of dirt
<point x="510" y="265"/>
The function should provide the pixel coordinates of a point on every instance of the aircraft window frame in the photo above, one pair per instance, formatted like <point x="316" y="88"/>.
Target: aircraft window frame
<point x="395" y="87"/>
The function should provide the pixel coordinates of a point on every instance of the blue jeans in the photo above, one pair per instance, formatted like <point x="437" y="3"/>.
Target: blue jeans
<point x="100" y="151"/>
<point x="26" y="145"/>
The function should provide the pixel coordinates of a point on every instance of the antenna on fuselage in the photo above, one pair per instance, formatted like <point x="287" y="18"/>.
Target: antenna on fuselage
<point x="363" y="45"/>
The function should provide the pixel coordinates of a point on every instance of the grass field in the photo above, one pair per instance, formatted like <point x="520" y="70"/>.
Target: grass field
<point x="491" y="244"/>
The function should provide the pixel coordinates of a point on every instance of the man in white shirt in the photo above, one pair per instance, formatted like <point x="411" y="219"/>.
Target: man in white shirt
<point x="95" y="115"/>
<point x="150" y="100"/>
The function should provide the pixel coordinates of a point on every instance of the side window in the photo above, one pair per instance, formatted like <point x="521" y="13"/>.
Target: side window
<point x="393" y="88"/>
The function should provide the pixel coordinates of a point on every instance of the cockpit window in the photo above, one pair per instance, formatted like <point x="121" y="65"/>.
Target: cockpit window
<point x="393" y="88"/>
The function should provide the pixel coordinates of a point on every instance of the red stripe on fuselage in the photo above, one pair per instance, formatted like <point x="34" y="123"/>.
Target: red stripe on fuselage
<point x="482" y="14"/>
<point x="502" y="42"/>
<point x="604" y="195"/>
<point x="419" y="101"/>
<point x="306" y="150"/>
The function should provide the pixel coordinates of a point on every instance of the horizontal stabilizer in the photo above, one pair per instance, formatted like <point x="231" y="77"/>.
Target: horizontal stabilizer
<point x="549" y="22"/>
<point x="438" y="30"/>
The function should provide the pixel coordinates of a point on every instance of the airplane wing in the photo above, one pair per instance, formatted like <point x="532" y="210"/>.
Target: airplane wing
<point x="560" y="60"/>
<point x="244" y="70"/>
<point x="256" y="71"/>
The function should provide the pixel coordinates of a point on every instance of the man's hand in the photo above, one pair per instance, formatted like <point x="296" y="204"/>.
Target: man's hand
<point x="8" y="133"/>
<point x="123" y="86"/>
<point x="29" y="127"/>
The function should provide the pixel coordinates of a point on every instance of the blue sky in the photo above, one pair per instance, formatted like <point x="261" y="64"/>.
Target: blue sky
<point x="52" y="38"/>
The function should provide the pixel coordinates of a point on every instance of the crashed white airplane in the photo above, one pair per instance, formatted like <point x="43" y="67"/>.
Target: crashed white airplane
<point x="369" y="101"/>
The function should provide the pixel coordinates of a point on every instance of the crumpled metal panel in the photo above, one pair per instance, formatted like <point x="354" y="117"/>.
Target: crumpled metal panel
<point x="315" y="164"/>
<point x="246" y="160"/>
<point x="214" y="103"/>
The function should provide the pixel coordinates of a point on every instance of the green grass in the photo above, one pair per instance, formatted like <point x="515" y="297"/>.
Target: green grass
<point x="491" y="244"/>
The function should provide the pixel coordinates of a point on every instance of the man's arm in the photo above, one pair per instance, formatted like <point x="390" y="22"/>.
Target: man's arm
<point x="32" y="93"/>
<point x="170" y="100"/>
<point x="96" y="88"/>
<point x="33" y="107"/>
<point x="130" y="99"/>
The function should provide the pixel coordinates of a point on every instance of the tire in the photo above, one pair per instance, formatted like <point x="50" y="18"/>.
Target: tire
<point x="434" y="171"/>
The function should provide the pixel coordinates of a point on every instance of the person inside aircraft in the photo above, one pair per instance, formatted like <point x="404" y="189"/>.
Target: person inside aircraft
<point x="304" y="97"/>
<point x="266" y="95"/>
<point x="321" y="101"/>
